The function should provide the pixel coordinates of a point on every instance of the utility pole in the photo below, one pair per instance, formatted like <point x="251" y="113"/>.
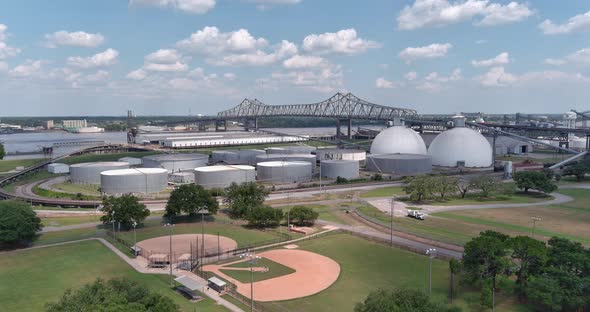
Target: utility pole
<point x="431" y="253"/>
<point x="535" y="219"/>
<point x="170" y="226"/>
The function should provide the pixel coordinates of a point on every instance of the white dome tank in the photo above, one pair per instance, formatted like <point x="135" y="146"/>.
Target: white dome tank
<point x="398" y="140"/>
<point x="460" y="145"/>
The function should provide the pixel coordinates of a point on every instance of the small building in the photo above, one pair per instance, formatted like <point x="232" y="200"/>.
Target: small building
<point x="217" y="284"/>
<point x="57" y="168"/>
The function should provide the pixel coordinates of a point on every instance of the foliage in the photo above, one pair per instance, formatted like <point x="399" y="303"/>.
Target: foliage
<point x="341" y="180"/>
<point x="400" y="300"/>
<point x="377" y="177"/>
<point x="302" y="215"/>
<point x="114" y="295"/>
<point x="463" y="186"/>
<point x="2" y="151"/>
<point x="578" y="170"/>
<point x="125" y="210"/>
<point x="243" y="198"/>
<point x="529" y="256"/>
<point x="485" y="184"/>
<point x="264" y="216"/>
<point x="19" y="223"/>
<point x="485" y="256"/>
<point x="191" y="198"/>
<point x="419" y="187"/>
<point x="534" y="180"/>
<point x="444" y="185"/>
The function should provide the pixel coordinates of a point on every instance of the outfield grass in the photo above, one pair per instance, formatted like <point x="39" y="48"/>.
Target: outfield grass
<point x="274" y="270"/>
<point x="68" y="235"/>
<point x="8" y="165"/>
<point x="366" y="266"/>
<point x="104" y="157"/>
<point x="42" y="275"/>
<point x="384" y="192"/>
<point x="63" y="221"/>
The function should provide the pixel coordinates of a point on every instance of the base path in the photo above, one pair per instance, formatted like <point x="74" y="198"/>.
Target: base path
<point x="313" y="273"/>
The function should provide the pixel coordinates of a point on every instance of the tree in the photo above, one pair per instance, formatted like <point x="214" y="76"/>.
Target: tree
<point x="2" y="151"/>
<point x="19" y="223"/>
<point x="578" y="170"/>
<point x="534" y="180"/>
<point x="114" y="295"/>
<point x="302" y="215"/>
<point x="191" y="198"/>
<point x="557" y="290"/>
<point x="463" y="186"/>
<point x="454" y="269"/>
<point x="400" y="300"/>
<point x="125" y="210"/>
<point x="444" y="185"/>
<point x="529" y="256"/>
<point x="242" y="198"/>
<point x="264" y="216"/>
<point x="419" y="187"/>
<point x="485" y="184"/>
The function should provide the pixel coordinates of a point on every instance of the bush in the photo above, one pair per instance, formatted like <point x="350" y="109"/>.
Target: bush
<point x="341" y="180"/>
<point x="534" y="180"/>
<point x="302" y="215"/>
<point x="19" y="223"/>
<point x="242" y="198"/>
<point x="191" y="198"/>
<point x="264" y="216"/>
<point x="377" y="177"/>
<point x="402" y="300"/>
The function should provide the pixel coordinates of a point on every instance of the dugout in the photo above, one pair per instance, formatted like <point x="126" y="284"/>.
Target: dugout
<point x="217" y="284"/>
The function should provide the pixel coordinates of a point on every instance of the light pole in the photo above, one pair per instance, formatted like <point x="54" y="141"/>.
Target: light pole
<point x="252" y="259"/>
<point x="134" y="238"/>
<point x="431" y="253"/>
<point x="202" y="239"/>
<point x="170" y="226"/>
<point x="535" y="219"/>
<point x="114" y="234"/>
<point x="391" y="225"/>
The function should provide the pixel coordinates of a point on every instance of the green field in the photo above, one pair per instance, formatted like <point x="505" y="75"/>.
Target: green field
<point x="42" y="275"/>
<point x="84" y="189"/>
<point x="7" y="165"/>
<point x="28" y="178"/>
<point x="331" y="213"/>
<point x="104" y="157"/>
<point x="274" y="270"/>
<point x="53" y="194"/>
<point x="366" y="266"/>
<point x="63" y="221"/>
<point x="68" y="235"/>
<point x="384" y="192"/>
<point x="475" y="199"/>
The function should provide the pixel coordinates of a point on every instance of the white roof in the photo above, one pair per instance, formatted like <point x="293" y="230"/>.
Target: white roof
<point x="283" y="163"/>
<point x="398" y="140"/>
<point x="134" y="171"/>
<point x="217" y="281"/>
<point x="461" y="144"/>
<point x="223" y="168"/>
<point x="102" y="163"/>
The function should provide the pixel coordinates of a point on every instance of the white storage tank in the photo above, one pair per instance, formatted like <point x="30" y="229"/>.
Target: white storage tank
<point x="133" y="161"/>
<point x="340" y="154"/>
<point x="222" y="176"/>
<point x="176" y="162"/>
<point x="134" y="180"/>
<point x="236" y="157"/>
<point x="57" y="168"/>
<point x="89" y="173"/>
<point x="461" y="146"/>
<point x="398" y="140"/>
<point x="284" y="171"/>
<point x="295" y="149"/>
<point x="288" y="157"/>
<point x="332" y="169"/>
<point x="182" y="177"/>
<point x="400" y="164"/>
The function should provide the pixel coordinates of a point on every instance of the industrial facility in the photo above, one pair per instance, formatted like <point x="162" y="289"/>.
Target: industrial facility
<point x="176" y="162"/>
<point x="341" y="154"/>
<point x="284" y="171"/>
<point x="236" y="157"/>
<point x="134" y="180"/>
<point x="311" y="159"/>
<point x="223" y="176"/>
<point x="399" y="164"/>
<point x="295" y="149"/>
<point x="398" y="140"/>
<point x="58" y="168"/>
<point x="89" y="173"/>
<point x="132" y="161"/>
<point x="332" y="169"/>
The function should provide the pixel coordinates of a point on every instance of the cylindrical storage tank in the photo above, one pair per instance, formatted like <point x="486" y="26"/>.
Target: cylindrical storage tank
<point x="288" y="157"/>
<point x="222" y="176"/>
<point x="227" y="157"/>
<point x="284" y="171"/>
<point x="248" y="157"/>
<point x="296" y="149"/>
<point x="89" y="173"/>
<point x="135" y="180"/>
<point x="400" y="164"/>
<point x="340" y="154"/>
<point x="132" y="161"/>
<point x="332" y="169"/>
<point x="176" y="162"/>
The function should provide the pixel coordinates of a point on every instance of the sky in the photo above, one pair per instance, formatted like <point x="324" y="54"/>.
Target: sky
<point x="180" y="57"/>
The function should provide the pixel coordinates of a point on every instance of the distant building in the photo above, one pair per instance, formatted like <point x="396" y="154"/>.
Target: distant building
<point x="75" y="123"/>
<point x="49" y="124"/>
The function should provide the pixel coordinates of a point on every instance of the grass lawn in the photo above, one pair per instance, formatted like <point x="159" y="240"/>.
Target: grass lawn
<point x="62" y="221"/>
<point x="7" y="165"/>
<point x="42" y="275"/>
<point x="84" y="189"/>
<point x="384" y="192"/>
<point x="331" y="213"/>
<point x="28" y="178"/>
<point x="104" y="157"/>
<point x="474" y="199"/>
<point x="53" y="194"/>
<point x="366" y="266"/>
<point x="68" y="235"/>
<point x="274" y="270"/>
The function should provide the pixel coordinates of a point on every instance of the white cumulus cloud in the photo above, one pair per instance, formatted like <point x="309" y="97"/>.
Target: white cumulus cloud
<point x="410" y="76"/>
<point x="580" y="22"/>
<point x="496" y="77"/>
<point x="304" y="61"/>
<point x="28" y="68"/>
<point x="581" y="56"/>
<point x="189" y="6"/>
<point x="382" y="83"/>
<point x="345" y="41"/>
<point x="435" y="50"/>
<point x="76" y="38"/>
<point x="425" y="13"/>
<point x="106" y="58"/>
<point x="6" y="51"/>
<point x="501" y="59"/>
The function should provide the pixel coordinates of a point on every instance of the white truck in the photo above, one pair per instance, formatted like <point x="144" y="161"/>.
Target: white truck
<point x="416" y="214"/>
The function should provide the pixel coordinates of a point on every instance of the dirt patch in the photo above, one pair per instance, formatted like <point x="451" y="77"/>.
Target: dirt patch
<point x="313" y="273"/>
<point x="292" y="246"/>
<point x="181" y="244"/>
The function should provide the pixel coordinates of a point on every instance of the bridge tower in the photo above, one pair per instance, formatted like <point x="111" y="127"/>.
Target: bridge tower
<point x="220" y="125"/>
<point x="348" y="123"/>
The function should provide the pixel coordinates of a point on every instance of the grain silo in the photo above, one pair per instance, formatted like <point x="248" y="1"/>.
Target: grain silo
<point x="89" y="173"/>
<point x="223" y="176"/>
<point x="134" y="180"/>
<point x="399" y="164"/>
<point x="398" y="140"/>
<point x="332" y="169"/>
<point x="176" y="162"/>
<point x="284" y="171"/>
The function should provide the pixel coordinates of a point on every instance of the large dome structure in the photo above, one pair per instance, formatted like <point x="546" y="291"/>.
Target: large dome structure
<point x="398" y="140"/>
<point x="461" y="145"/>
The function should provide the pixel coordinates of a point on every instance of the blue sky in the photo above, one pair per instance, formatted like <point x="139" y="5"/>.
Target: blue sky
<point x="166" y="57"/>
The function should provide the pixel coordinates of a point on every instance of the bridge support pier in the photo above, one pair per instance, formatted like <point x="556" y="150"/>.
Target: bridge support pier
<point x="251" y="124"/>
<point x="348" y="123"/>
<point x="220" y="125"/>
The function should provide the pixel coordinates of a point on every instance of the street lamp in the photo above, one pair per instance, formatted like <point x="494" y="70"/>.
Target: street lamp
<point x="535" y="219"/>
<point x="113" y="219"/>
<point x="431" y="253"/>
<point x="252" y="259"/>
<point x="170" y="226"/>
<point x="134" y="224"/>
